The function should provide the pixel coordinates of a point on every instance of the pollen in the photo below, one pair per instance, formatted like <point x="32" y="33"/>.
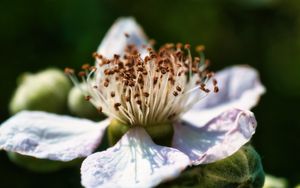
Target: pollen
<point x="143" y="91"/>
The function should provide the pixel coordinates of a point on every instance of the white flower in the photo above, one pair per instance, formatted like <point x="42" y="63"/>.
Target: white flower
<point x="144" y="90"/>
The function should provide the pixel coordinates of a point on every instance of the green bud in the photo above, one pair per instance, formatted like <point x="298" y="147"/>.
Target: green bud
<point x="275" y="182"/>
<point x="79" y="106"/>
<point x="161" y="134"/>
<point x="40" y="165"/>
<point x="241" y="170"/>
<point x="46" y="91"/>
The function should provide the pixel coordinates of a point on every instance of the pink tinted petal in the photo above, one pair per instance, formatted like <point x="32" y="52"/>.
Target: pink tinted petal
<point x="218" y="139"/>
<point x="49" y="136"/>
<point x="115" y="41"/>
<point x="135" y="161"/>
<point x="239" y="87"/>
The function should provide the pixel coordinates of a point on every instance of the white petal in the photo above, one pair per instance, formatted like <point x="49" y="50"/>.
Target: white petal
<point x="218" y="139"/>
<point x="239" y="87"/>
<point x="135" y="161"/>
<point x="115" y="41"/>
<point x="49" y="136"/>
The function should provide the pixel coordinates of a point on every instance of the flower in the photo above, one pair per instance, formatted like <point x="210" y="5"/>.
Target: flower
<point x="144" y="91"/>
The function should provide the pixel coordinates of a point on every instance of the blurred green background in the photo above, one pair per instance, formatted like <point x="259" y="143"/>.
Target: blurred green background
<point x="36" y="34"/>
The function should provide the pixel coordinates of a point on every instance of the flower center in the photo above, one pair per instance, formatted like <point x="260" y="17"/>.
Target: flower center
<point x="150" y="90"/>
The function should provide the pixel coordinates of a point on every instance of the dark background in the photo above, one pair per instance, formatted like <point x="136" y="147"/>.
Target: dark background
<point x="36" y="34"/>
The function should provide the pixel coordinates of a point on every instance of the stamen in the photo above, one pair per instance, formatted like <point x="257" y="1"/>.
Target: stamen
<point x="87" y="98"/>
<point x="147" y="91"/>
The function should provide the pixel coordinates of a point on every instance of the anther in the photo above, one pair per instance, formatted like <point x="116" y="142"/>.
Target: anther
<point x="216" y="89"/>
<point x="200" y="48"/>
<point x="178" y="88"/>
<point x="146" y="94"/>
<point x="99" y="109"/>
<point x="85" y="66"/>
<point x="81" y="74"/>
<point x="106" y="83"/>
<point x="126" y="35"/>
<point x="116" y="56"/>
<point x="179" y="45"/>
<point x="116" y="106"/>
<point x="87" y="98"/>
<point x="171" y="116"/>
<point x="112" y="94"/>
<point x="187" y="46"/>
<point x="139" y="102"/>
<point x="175" y="93"/>
<point x="136" y="95"/>
<point x="69" y="71"/>
<point x="215" y="82"/>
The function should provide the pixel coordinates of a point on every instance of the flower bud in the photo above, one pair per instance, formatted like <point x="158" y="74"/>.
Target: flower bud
<point x="79" y="106"/>
<point x="40" y="165"/>
<point x="242" y="169"/>
<point x="275" y="182"/>
<point x="46" y="91"/>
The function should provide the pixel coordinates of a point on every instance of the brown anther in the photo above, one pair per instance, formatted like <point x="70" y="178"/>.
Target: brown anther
<point x="139" y="102"/>
<point x="136" y="95"/>
<point x="96" y="87"/>
<point x="126" y="35"/>
<point x="187" y="46"/>
<point x="178" y="88"/>
<point x="87" y="98"/>
<point x="155" y="79"/>
<point x="140" y="69"/>
<point x="150" y="49"/>
<point x="126" y="82"/>
<point x="81" y="74"/>
<point x="205" y="90"/>
<point x="163" y="71"/>
<point x="198" y="82"/>
<point x="216" y="89"/>
<point x="95" y="55"/>
<point x="152" y="42"/>
<point x="99" y="109"/>
<point x="202" y="85"/>
<point x="117" y="105"/>
<point x="147" y="58"/>
<point x="106" y="71"/>
<point x="131" y="83"/>
<point x="152" y="56"/>
<point x="200" y="48"/>
<point x="127" y="98"/>
<point x="171" y="116"/>
<point x="69" y="71"/>
<point x="215" y="82"/>
<point x="179" y="45"/>
<point x="106" y="83"/>
<point x="210" y="74"/>
<point x="169" y="45"/>
<point x="85" y="66"/>
<point x="175" y="93"/>
<point x="116" y="56"/>
<point x="112" y="94"/>
<point x="146" y="94"/>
